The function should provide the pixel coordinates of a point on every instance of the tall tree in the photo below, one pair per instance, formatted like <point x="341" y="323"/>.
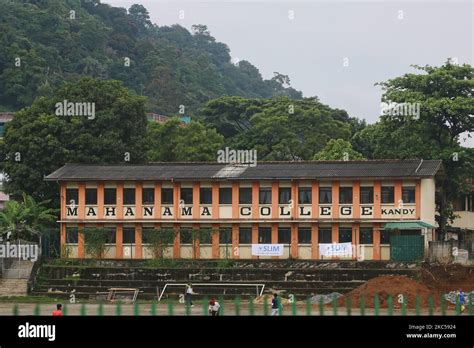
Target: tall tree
<point x="173" y="141"/>
<point x="445" y="96"/>
<point x="278" y="128"/>
<point x="37" y="141"/>
<point x="140" y="15"/>
<point x="446" y="108"/>
<point x="338" y="150"/>
<point x="26" y="218"/>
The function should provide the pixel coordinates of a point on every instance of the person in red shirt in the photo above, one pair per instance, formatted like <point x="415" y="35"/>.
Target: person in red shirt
<point x="58" y="312"/>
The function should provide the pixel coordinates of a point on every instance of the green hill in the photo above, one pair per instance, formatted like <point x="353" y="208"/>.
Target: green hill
<point x="46" y="42"/>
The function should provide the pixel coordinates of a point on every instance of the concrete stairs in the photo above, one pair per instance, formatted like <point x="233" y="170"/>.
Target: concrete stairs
<point x="18" y="269"/>
<point x="13" y="287"/>
<point x="302" y="279"/>
<point x="14" y="278"/>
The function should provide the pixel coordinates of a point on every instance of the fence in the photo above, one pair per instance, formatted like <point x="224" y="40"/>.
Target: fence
<point x="303" y="308"/>
<point x="445" y="251"/>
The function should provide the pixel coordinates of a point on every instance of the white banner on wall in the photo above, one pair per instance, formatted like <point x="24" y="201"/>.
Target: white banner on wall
<point x="335" y="249"/>
<point x="267" y="249"/>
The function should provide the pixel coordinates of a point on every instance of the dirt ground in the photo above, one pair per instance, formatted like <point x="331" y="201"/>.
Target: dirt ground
<point x="445" y="278"/>
<point x="435" y="280"/>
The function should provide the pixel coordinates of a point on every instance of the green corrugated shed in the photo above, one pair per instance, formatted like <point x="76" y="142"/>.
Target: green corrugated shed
<point x="407" y="225"/>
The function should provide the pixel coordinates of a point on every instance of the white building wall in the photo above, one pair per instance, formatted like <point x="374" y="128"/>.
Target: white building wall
<point x="427" y="204"/>
<point x="464" y="220"/>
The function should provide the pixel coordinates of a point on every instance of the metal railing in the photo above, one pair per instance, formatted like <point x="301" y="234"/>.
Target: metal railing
<point x="306" y="307"/>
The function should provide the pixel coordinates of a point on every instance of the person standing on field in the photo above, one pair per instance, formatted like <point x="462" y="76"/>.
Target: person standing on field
<point x="59" y="310"/>
<point x="462" y="300"/>
<point x="275" y="304"/>
<point x="189" y="295"/>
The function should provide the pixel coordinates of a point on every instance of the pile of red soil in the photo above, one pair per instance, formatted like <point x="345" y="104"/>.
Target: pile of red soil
<point x="391" y="285"/>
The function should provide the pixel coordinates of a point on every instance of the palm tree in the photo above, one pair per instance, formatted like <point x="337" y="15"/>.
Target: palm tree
<point x="25" y="218"/>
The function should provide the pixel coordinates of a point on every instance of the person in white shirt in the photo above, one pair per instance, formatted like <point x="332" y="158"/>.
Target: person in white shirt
<point x="189" y="295"/>
<point x="214" y="308"/>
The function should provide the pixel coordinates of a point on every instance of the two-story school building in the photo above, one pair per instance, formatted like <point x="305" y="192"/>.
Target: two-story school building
<point x="300" y="206"/>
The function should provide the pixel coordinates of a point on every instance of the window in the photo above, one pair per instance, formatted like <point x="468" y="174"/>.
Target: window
<point x="148" y="195"/>
<point x="366" y="195"/>
<point x="225" y="236"/>
<point x="72" y="196"/>
<point x="284" y="235"/>
<point x="71" y="234"/>
<point x="205" y="236"/>
<point x="205" y="195"/>
<point x="166" y="196"/>
<point x="467" y="202"/>
<point x="387" y="194"/>
<point x="325" y="195"/>
<point x="110" y="237"/>
<point x="91" y="196"/>
<point x="345" y="195"/>
<point x="225" y="195"/>
<point x="129" y="196"/>
<point x="187" y="195"/>
<point x="345" y="234"/>
<point x="366" y="235"/>
<point x="245" y="195"/>
<point x="408" y="194"/>
<point x="384" y="237"/>
<point x="284" y="195"/>
<point x="86" y="232"/>
<point x="147" y="234"/>
<point x="265" y="195"/>
<point x="325" y="235"/>
<point x="304" y="235"/>
<point x="185" y="236"/>
<point x="304" y="195"/>
<point x="110" y="195"/>
<point x="264" y="235"/>
<point x="245" y="235"/>
<point x="129" y="235"/>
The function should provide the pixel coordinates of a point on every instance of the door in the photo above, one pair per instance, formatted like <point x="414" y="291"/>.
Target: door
<point x="407" y="248"/>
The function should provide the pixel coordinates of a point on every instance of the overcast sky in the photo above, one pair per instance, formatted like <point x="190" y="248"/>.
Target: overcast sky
<point x="311" y="41"/>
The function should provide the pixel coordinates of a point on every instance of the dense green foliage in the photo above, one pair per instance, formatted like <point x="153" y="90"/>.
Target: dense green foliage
<point x="337" y="150"/>
<point x="446" y="111"/>
<point x="159" y="240"/>
<point x="37" y="141"/>
<point x="25" y="218"/>
<point x="95" y="241"/>
<point x="278" y="128"/>
<point x="169" y="65"/>
<point x="173" y="141"/>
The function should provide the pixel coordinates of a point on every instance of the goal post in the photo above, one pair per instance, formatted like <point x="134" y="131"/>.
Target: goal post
<point x="258" y="286"/>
